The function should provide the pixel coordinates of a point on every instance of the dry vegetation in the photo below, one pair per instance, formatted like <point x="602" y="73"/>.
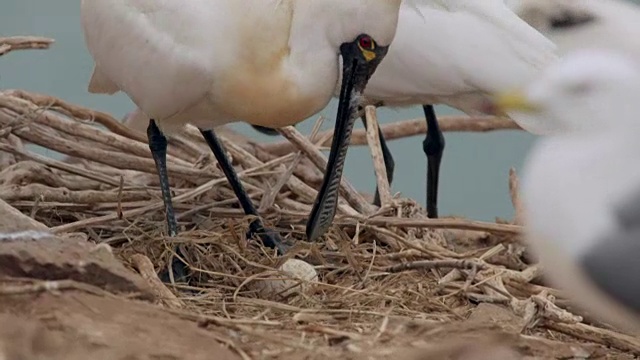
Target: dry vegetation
<point x="391" y="284"/>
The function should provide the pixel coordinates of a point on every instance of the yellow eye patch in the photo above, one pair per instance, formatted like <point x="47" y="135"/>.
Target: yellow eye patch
<point x="367" y="47"/>
<point x="368" y="54"/>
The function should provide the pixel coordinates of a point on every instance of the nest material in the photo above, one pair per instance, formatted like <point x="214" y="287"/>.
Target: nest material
<point x="389" y="278"/>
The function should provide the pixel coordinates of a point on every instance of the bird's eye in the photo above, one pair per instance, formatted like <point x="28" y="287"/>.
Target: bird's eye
<point x="366" y="43"/>
<point x="568" y="19"/>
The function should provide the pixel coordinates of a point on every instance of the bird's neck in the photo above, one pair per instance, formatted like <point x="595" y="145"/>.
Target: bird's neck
<point x="283" y="92"/>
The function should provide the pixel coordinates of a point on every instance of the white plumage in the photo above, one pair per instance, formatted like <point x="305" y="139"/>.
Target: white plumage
<point x="577" y="185"/>
<point x="270" y="62"/>
<point x="457" y="52"/>
<point x="577" y="24"/>
<point x="211" y="62"/>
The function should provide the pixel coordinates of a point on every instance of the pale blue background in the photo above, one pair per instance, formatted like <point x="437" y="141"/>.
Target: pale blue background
<point x="475" y="166"/>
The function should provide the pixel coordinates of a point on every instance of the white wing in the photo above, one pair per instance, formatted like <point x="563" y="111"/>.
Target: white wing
<point x="615" y="24"/>
<point x="157" y="51"/>
<point x="101" y="84"/>
<point x="458" y="47"/>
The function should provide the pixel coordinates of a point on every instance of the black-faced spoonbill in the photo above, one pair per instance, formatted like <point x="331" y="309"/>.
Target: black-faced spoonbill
<point x="454" y="52"/>
<point x="265" y="62"/>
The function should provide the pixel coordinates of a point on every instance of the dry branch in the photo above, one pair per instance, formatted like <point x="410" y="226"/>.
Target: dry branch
<point x="439" y="224"/>
<point x="516" y="201"/>
<point x="164" y="295"/>
<point x="92" y="175"/>
<point x="347" y="190"/>
<point x="78" y="112"/>
<point x="63" y="195"/>
<point x="435" y="264"/>
<point x="12" y="43"/>
<point x="407" y="128"/>
<point x="373" y="139"/>
<point x="602" y="336"/>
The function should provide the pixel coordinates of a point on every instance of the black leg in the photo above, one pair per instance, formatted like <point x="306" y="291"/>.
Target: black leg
<point x="266" y="130"/>
<point x="158" y="147"/>
<point x="433" y="146"/>
<point x="269" y="237"/>
<point x="389" y="163"/>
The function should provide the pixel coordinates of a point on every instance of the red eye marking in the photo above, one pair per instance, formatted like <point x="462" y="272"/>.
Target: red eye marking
<point x="366" y="43"/>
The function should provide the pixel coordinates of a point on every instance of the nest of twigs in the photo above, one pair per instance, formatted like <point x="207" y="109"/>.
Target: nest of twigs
<point x="389" y="278"/>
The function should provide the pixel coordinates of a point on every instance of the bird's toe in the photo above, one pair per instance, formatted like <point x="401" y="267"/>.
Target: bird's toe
<point x="269" y="237"/>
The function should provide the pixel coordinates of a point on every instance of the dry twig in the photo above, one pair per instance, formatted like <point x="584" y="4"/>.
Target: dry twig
<point x="514" y="191"/>
<point x="408" y="128"/>
<point x="352" y="196"/>
<point x="373" y="139"/>
<point x="12" y="43"/>
<point x="146" y="269"/>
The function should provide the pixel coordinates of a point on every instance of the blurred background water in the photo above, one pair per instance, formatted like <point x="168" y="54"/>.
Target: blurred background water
<point x="474" y="178"/>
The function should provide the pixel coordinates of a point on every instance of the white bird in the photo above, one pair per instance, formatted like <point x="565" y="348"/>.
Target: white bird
<point x="456" y="53"/>
<point x="266" y="62"/>
<point x="577" y="24"/>
<point x="581" y="188"/>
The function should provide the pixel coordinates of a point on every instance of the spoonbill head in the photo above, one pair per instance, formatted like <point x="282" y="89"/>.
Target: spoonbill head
<point x="576" y="24"/>
<point x="612" y="80"/>
<point x="270" y="63"/>
<point x="581" y="187"/>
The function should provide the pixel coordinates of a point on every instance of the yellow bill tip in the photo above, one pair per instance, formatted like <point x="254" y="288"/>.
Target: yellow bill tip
<point x="513" y="101"/>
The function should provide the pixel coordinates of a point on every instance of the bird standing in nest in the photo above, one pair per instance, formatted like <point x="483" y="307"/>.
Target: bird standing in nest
<point x="265" y="62"/>
<point x="456" y="53"/>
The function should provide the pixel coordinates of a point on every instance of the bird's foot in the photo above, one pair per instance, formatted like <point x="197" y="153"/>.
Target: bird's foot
<point x="395" y="203"/>
<point x="269" y="237"/>
<point x="376" y="199"/>
<point x="180" y="271"/>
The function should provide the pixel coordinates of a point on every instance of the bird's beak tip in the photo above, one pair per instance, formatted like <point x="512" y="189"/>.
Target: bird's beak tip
<point x="502" y="103"/>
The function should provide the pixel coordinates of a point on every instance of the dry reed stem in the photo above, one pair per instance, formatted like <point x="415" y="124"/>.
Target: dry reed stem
<point x="269" y="198"/>
<point x="300" y="188"/>
<point x="38" y="114"/>
<point x="435" y="264"/>
<point x="38" y="134"/>
<point x="78" y="112"/>
<point x="63" y="195"/>
<point x="455" y="274"/>
<point x="514" y="191"/>
<point x="146" y="269"/>
<point x="444" y="223"/>
<point x="598" y="335"/>
<point x="89" y="116"/>
<point x="350" y="194"/>
<point x="72" y="169"/>
<point x="189" y="195"/>
<point x="13" y="43"/>
<point x="373" y="139"/>
<point x="408" y="128"/>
